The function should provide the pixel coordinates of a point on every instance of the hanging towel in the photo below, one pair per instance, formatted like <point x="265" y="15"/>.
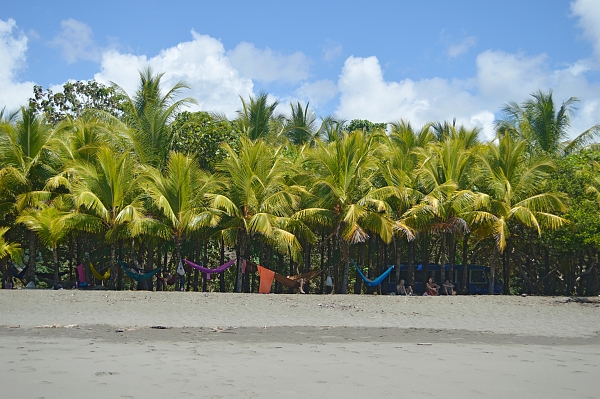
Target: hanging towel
<point x="266" y="279"/>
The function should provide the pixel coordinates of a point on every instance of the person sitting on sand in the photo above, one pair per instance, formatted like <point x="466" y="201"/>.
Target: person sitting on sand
<point x="431" y="288"/>
<point x="448" y="288"/>
<point x="401" y="289"/>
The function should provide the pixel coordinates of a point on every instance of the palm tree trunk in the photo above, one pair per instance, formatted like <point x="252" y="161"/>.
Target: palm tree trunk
<point x="241" y="254"/>
<point x="346" y="257"/>
<point x="114" y="272"/>
<point x="443" y="259"/>
<point x="411" y="263"/>
<point x="222" y="261"/>
<point x="30" y="275"/>
<point x="465" y="274"/>
<point x="492" y="271"/>
<point x="56" y="265"/>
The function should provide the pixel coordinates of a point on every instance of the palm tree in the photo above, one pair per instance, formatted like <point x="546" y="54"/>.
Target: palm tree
<point x="181" y="195"/>
<point x="257" y="118"/>
<point x="301" y="127"/>
<point x="512" y="185"/>
<point x="257" y="199"/>
<point x="9" y="249"/>
<point x="149" y="113"/>
<point x="107" y="190"/>
<point x="542" y="126"/>
<point x="52" y="225"/>
<point x="443" y="177"/>
<point x="28" y="160"/>
<point x="342" y="180"/>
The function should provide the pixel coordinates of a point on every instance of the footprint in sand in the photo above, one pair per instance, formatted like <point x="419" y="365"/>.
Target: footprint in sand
<point x="105" y="373"/>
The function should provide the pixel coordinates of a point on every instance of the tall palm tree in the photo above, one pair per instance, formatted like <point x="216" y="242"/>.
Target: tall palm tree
<point x="544" y="127"/>
<point x="512" y="185"/>
<point x="149" y="112"/>
<point x="27" y="160"/>
<point x="257" y="199"/>
<point x="301" y="126"/>
<point x="443" y="177"/>
<point x="342" y="173"/>
<point x="257" y="118"/>
<point x="107" y="190"/>
<point x="181" y="195"/>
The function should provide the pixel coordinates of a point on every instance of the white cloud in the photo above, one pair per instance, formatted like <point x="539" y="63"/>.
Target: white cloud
<point x="500" y="78"/>
<point x="454" y="50"/>
<point x="201" y="63"/>
<point x="319" y="92"/>
<point x="332" y="50"/>
<point x="267" y="65"/>
<point x="13" y="47"/>
<point x="76" y="42"/>
<point x="588" y="12"/>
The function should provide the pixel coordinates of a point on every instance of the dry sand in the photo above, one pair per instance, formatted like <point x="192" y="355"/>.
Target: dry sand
<point x="94" y="344"/>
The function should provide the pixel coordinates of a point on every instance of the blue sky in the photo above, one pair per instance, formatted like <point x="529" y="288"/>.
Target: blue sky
<point x="377" y="60"/>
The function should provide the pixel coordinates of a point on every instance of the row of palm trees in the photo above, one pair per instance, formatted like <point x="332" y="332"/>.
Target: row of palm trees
<point x="291" y="184"/>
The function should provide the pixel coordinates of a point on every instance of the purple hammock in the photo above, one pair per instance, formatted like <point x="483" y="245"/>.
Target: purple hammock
<point x="208" y="272"/>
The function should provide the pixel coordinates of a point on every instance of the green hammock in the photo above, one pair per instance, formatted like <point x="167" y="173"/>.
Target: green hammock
<point x="138" y="274"/>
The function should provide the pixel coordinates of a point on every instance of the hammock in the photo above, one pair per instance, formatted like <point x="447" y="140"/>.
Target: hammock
<point x="208" y="271"/>
<point x="16" y="273"/>
<point x="294" y="281"/>
<point x="99" y="276"/>
<point x="138" y="274"/>
<point x="378" y="280"/>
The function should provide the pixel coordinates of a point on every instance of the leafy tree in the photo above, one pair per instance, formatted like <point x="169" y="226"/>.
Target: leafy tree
<point x="365" y="125"/>
<point x="75" y="98"/>
<point x="201" y="136"/>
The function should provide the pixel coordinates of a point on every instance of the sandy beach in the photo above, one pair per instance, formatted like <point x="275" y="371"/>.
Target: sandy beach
<point x="98" y="344"/>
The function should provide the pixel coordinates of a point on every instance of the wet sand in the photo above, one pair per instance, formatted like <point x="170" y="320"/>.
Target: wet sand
<point x="63" y="344"/>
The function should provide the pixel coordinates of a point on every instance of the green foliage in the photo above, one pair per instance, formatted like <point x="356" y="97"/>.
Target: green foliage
<point x="199" y="135"/>
<point x="74" y="99"/>
<point x="572" y="176"/>
<point x="365" y="125"/>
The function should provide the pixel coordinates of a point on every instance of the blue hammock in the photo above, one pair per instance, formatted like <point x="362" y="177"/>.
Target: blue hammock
<point x="377" y="281"/>
<point x="138" y="274"/>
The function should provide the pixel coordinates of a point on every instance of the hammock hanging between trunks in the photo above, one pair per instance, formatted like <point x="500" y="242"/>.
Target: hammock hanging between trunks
<point x="16" y="273"/>
<point x="99" y="276"/>
<point x="378" y="280"/>
<point x="208" y="271"/>
<point x="138" y="274"/>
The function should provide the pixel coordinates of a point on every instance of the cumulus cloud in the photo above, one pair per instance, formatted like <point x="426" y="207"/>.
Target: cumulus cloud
<point x="319" y="92"/>
<point x="500" y="78"/>
<point x="267" y="65"/>
<point x="456" y="49"/>
<point x="13" y="46"/>
<point x="588" y="12"/>
<point x="201" y="62"/>
<point x="76" y="42"/>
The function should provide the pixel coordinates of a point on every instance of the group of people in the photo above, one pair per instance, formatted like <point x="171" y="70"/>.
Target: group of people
<point x="431" y="288"/>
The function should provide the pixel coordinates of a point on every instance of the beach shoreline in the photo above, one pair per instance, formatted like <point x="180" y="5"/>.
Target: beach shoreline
<point x="173" y="344"/>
